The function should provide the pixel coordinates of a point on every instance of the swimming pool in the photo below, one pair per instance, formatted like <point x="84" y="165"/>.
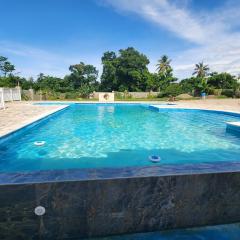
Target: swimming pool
<point x="121" y="135"/>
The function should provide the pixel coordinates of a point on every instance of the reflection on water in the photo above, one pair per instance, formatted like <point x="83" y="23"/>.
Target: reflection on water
<point x="115" y="136"/>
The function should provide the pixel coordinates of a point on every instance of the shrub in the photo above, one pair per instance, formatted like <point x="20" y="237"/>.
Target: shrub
<point x="228" y="92"/>
<point x="127" y="95"/>
<point x="47" y="95"/>
<point x="237" y="93"/>
<point x="85" y="90"/>
<point x="217" y="92"/>
<point x="150" y="96"/>
<point x="160" y="95"/>
<point x="173" y="90"/>
<point x="71" y="95"/>
<point x="118" y="95"/>
<point x="211" y="91"/>
<point x="25" y="96"/>
<point x="61" y="96"/>
<point x="123" y="95"/>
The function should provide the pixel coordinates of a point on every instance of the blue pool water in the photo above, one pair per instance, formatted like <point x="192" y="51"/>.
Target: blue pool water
<point x="121" y="135"/>
<point x="221" y="232"/>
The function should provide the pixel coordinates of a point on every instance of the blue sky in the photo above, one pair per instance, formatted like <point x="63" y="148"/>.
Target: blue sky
<point x="49" y="35"/>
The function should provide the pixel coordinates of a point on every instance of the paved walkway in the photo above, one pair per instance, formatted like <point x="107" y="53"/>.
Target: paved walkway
<point x="19" y="114"/>
<point x="232" y="105"/>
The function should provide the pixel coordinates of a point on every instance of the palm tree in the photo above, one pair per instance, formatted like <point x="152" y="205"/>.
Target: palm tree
<point x="201" y="70"/>
<point x="163" y="65"/>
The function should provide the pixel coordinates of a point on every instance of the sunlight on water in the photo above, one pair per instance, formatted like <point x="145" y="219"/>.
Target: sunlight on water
<point x="92" y="136"/>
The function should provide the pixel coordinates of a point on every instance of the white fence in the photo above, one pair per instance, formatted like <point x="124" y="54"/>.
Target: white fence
<point x="9" y="94"/>
<point x="2" y="105"/>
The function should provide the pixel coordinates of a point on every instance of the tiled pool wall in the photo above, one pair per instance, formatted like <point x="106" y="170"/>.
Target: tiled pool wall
<point x="103" y="207"/>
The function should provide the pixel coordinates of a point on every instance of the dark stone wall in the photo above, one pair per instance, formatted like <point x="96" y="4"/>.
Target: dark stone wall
<point x="77" y="209"/>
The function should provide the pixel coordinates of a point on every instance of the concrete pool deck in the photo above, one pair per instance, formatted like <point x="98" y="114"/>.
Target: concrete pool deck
<point x="19" y="114"/>
<point x="229" y="105"/>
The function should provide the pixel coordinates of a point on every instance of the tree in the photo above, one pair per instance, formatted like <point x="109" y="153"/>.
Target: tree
<point x="8" y="68"/>
<point x="26" y="83"/>
<point x="83" y="78"/>
<point x="83" y="74"/>
<point x="5" y="66"/>
<point x="48" y="83"/>
<point x="12" y="81"/>
<point x="222" y="81"/>
<point x="164" y="76"/>
<point x="126" y="72"/>
<point x="131" y="70"/>
<point x="188" y="85"/>
<point x="163" y="65"/>
<point x="108" y="77"/>
<point x="173" y="90"/>
<point x="203" y="86"/>
<point x="2" y="62"/>
<point x="201" y="70"/>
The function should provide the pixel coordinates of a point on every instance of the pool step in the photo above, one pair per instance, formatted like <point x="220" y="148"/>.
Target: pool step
<point x="156" y="107"/>
<point x="235" y="126"/>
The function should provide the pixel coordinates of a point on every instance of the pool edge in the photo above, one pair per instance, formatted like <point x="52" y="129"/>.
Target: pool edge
<point x="31" y="124"/>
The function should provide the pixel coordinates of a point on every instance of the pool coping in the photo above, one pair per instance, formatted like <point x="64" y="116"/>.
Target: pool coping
<point x="44" y="176"/>
<point x="234" y="126"/>
<point x="177" y="107"/>
<point x="96" y="174"/>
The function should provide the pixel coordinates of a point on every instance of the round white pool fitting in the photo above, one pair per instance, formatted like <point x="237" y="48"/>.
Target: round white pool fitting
<point x="154" y="158"/>
<point x="39" y="210"/>
<point x="39" y="143"/>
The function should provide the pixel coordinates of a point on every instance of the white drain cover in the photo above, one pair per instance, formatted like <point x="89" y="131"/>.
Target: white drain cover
<point x="39" y="210"/>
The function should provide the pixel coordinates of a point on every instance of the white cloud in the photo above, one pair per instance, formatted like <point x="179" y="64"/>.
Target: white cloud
<point x="222" y="56"/>
<point x="181" y="21"/>
<point x="30" y="61"/>
<point x="215" y="34"/>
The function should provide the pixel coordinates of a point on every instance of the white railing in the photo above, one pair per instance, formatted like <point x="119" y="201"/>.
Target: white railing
<point x="9" y="94"/>
<point x="2" y="104"/>
<point x="16" y="94"/>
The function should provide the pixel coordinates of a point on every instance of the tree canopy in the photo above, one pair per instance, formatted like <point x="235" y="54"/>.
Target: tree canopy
<point x="222" y="80"/>
<point x="201" y="70"/>
<point x="5" y="66"/>
<point x="108" y="77"/>
<point x="126" y="70"/>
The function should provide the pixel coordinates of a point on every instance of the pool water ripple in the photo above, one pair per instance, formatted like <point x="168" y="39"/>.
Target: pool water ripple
<point x="98" y="136"/>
